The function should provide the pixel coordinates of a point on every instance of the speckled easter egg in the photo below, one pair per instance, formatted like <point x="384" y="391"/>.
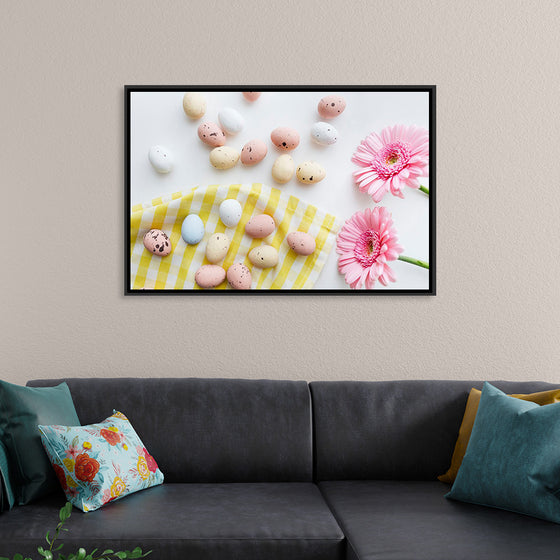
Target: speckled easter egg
<point x="210" y="276"/>
<point x="211" y="134"/>
<point x="310" y="172"/>
<point x="324" y="133"/>
<point x="331" y="106"/>
<point x="157" y="242"/>
<point x="239" y="277"/>
<point x="285" y="138"/>
<point x="224" y="157"/>
<point x="264" y="256"/>
<point x="230" y="212"/>
<point x="217" y="247"/>
<point x="192" y="229"/>
<point x="231" y="121"/>
<point x="301" y="242"/>
<point x="253" y="152"/>
<point x="161" y="159"/>
<point x="283" y="169"/>
<point x="194" y="104"/>
<point x="251" y="95"/>
<point x="260" y="226"/>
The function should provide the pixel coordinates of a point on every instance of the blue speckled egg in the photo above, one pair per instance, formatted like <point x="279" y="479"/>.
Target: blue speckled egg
<point x="192" y="230"/>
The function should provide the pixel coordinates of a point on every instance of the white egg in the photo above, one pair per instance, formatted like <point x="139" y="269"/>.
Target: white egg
<point x="230" y="212"/>
<point x="231" y="121"/>
<point x="324" y="133"/>
<point x="161" y="159"/>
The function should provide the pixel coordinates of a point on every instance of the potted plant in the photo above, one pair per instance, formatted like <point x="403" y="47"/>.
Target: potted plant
<point x="53" y="553"/>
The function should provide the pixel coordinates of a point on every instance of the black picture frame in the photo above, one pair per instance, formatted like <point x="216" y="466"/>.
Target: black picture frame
<point x="429" y="89"/>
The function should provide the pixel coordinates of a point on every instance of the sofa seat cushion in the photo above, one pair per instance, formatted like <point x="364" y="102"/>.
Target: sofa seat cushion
<point x="411" y="520"/>
<point x="287" y="521"/>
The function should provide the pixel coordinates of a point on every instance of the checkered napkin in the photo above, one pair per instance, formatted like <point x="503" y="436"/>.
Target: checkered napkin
<point x="176" y="271"/>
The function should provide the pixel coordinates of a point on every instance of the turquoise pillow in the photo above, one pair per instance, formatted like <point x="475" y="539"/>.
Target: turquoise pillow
<point x="513" y="457"/>
<point x="21" y="409"/>
<point x="99" y="463"/>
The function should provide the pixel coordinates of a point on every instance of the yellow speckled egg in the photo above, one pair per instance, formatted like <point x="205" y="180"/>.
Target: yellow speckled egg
<point x="264" y="256"/>
<point x="310" y="172"/>
<point x="283" y="169"/>
<point x="224" y="157"/>
<point x="194" y="104"/>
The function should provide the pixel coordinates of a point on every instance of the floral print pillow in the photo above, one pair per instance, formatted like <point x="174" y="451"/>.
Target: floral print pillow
<point x="99" y="463"/>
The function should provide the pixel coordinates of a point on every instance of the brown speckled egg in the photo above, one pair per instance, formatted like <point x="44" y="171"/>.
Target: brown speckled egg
<point x="211" y="134"/>
<point x="251" y="95"/>
<point x="260" y="226"/>
<point x="331" y="106"/>
<point x="253" y="152"/>
<point x="239" y="277"/>
<point x="301" y="243"/>
<point x="157" y="242"/>
<point x="285" y="138"/>
<point x="210" y="276"/>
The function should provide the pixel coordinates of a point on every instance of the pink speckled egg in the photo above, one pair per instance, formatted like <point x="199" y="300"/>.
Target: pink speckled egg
<point x="251" y="95"/>
<point x="260" y="226"/>
<point x="301" y="243"/>
<point x="210" y="276"/>
<point x="285" y="138"/>
<point x="253" y="152"/>
<point x="157" y="242"/>
<point x="331" y="106"/>
<point x="239" y="277"/>
<point x="211" y="134"/>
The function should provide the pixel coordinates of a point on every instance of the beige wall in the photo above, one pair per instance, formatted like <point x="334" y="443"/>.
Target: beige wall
<point x="496" y="65"/>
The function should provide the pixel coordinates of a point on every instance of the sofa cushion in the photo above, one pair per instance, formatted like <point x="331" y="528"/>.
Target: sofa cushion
<point x="392" y="429"/>
<point x="399" y="520"/>
<point x="100" y="463"/>
<point x="283" y="521"/>
<point x="209" y="430"/>
<point x="21" y="410"/>
<point x="465" y="430"/>
<point x="513" y="457"/>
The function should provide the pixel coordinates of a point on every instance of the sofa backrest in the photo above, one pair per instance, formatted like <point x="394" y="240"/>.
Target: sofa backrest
<point x="391" y="429"/>
<point x="208" y="430"/>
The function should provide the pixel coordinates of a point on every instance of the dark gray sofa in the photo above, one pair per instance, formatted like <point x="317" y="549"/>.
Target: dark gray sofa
<point x="285" y="470"/>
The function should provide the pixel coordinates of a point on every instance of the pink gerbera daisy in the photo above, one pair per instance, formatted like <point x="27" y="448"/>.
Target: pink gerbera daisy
<point x="365" y="243"/>
<point x="396" y="157"/>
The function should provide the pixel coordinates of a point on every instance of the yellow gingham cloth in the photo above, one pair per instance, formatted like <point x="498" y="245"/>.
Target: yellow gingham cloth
<point x="177" y="270"/>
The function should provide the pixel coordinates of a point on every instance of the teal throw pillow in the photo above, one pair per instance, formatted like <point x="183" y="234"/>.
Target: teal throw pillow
<point x="6" y="487"/>
<point x="99" y="463"/>
<point x="21" y="410"/>
<point x="513" y="457"/>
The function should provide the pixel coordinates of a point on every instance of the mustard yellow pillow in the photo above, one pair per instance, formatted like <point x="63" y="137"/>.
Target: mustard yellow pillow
<point x="542" y="398"/>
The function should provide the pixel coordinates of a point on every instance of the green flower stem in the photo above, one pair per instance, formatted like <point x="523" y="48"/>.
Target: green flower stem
<point x="424" y="189"/>
<point x="417" y="262"/>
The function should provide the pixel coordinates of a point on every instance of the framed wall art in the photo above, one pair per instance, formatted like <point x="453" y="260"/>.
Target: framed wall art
<point x="296" y="190"/>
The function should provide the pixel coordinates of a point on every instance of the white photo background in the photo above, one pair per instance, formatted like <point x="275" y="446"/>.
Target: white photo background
<point x="158" y="118"/>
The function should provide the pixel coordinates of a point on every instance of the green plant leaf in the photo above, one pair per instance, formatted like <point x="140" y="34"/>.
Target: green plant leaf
<point x="18" y="556"/>
<point x="47" y="537"/>
<point x="4" y="558"/>
<point x="58" y="547"/>
<point x="121" y="555"/>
